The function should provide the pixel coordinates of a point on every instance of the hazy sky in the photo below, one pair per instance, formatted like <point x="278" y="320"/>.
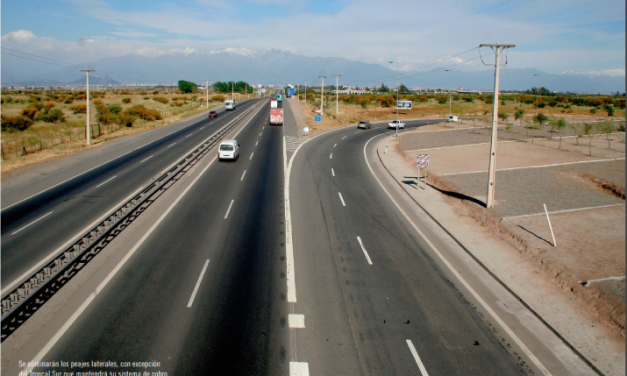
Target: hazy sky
<point x="550" y="35"/>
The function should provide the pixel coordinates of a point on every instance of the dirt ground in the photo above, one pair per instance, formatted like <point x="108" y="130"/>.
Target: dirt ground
<point x="588" y="218"/>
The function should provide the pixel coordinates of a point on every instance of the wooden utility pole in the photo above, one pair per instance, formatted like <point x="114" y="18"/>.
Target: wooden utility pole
<point x="495" y="111"/>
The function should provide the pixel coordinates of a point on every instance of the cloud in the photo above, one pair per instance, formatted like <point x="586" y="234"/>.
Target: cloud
<point x="20" y="36"/>
<point x="129" y="33"/>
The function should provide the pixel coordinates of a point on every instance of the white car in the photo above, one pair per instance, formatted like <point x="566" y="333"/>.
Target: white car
<point x="452" y="119"/>
<point x="229" y="149"/>
<point x="396" y="123"/>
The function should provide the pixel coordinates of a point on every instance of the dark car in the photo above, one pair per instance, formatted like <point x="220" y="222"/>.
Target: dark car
<point x="364" y="125"/>
<point x="212" y="114"/>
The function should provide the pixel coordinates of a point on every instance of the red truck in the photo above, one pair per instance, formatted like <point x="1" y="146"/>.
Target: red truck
<point x="276" y="116"/>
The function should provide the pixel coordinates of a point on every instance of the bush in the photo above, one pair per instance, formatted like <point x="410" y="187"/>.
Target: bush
<point x="610" y="110"/>
<point x="68" y="100"/>
<point x="220" y="98"/>
<point x="161" y="100"/>
<point x="387" y="100"/>
<point x="127" y="119"/>
<point x="78" y="108"/>
<point x="50" y="105"/>
<point x="13" y="123"/>
<point x="541" y="105"/>
<point x="442" y="99"/>
<point x="98" y="101"/>
<point x="52" y="116"/>
<point x="128" y="100"/>
<point x="7" y="99"/>
<point x="456" y="97"/>
<point x="114" y="108"/>
<point x="29" y="112"/>
<point x="143" y="113"/>
<point x="503" y="103"/>
<point x="593" y="110"/>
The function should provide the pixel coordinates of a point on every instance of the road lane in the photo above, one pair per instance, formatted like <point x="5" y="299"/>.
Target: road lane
<point x="80" y="201"/>
<point x="236" y="324"/>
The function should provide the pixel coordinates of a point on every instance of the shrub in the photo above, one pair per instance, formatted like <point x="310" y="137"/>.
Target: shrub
<point x="50" y="105"/>
<point x="161" y="100"/>
<point x="442" y="99"/>
<point x="610" y="110"/>
<point x="469" y="99"/>
<point x="594" y="102"/>
<point x="114" y="108"/>
<point x="143" y="112"/>
<point x="177" y="103"/>
<point x="13" y="123"/>
<point x="78" y="108"/>
<point x="503" y="103"/>
<point x="34" y="98"/>
<point x="29" y="112"/>
<point x="593" y="111"/>
<point x="106" y="118"/>
<point x="146" y="98"/>
<point x="128" y="100"/>
<point x="541" y="105"/>
<point x="68" y="100"/>
<point x="387" y="100"/>
<point x="456" y="97"/>
<point x="7" y="99"/>
<point x="52" y="116"/>
<point x="220" y="98"/>
<point x="127" y="119"/>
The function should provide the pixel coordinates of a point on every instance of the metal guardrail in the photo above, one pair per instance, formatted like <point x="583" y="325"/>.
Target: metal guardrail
<point x="19" y="304"/>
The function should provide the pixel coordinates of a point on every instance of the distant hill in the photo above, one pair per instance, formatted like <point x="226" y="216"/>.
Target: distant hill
<point x="279" y="67"/>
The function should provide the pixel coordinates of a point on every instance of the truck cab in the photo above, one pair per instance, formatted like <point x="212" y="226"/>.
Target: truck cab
<point x="230" y="105"/>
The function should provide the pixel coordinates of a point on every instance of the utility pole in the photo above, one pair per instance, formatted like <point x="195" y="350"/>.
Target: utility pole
<point x="322" y="95"/>
<point x="88" y="126"/>
<point x="337" y="93"/>
<point x="232" y="90"/>
<point x="207" y="81"/>
<point x="305" y="91"/>
<point x="450" y="99"/>
<point x="398" y="84"/>
<point x="537" y="92"/>
<point x="495" y="108"/>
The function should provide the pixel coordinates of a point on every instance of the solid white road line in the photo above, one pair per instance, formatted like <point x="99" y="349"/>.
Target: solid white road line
<point x="172" y="145"/>
<point x="201" y="128"/>
<point x="146" y="159"/>
<point x="364" y="249"/>
<point x="332" y="172"/>
<point x="538" y="166"/>
<point x="296" y="321"/>
<point x="251" y="156"/>
<point x="36" y="220"/>
<point x="202" y="273"/>
<point x="243" y="176"/>
<point x="341" y="198"/>
<point x="463" y="281"/>
<point x="299" y="369"/>
<point x="331" y="156"/>
<point x="229" y="209"/>
<point x="109" y="277"/>
<point x="421" y="366"/>
<point x="189" y="135"/>
<point x="106" y="181"/>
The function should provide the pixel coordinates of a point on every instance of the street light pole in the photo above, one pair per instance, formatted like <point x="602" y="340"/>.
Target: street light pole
<point x="232" y="90"/>
<point x="492" y="167"/>
<point x="305" y="91"/>
<point x="537" y="91"/>
<point x="398" y="84"/>
<point x="450" y="91"/>
<point x="322" y="95"/>
<point x="88" y="126"/>
<point x="337" y="93"/>
<point x="207" y="82"/>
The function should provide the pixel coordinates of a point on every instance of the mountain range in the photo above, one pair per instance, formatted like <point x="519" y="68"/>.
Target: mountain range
<point x="279" y="67"/>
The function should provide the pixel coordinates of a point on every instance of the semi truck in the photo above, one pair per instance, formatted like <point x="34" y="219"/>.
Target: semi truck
<point x="276" y="116"/>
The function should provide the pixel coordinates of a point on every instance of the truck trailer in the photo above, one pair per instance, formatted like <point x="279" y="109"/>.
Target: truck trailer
<point x="276" y="116"/>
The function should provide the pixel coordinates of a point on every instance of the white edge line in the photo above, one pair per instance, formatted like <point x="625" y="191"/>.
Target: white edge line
<point x="229" y="209"/>
<point x="36" y="220"/>
<point x="364" y="249"/>
<point x="244" y="174"/>
<point x="541" y="166"/>
<point x="147" y="159"/>
<point x="341" y="198"/>
<point x="421" y="366"/>
<point x="202" y="273"/>
<point x="454" y="271"/>
<point x="79" y="234"/>
<point x="172" y="145"/>
<point x="106" y="181"/>
<point x="110" y="276"/>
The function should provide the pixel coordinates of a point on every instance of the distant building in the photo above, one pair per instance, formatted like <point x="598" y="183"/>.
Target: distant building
<point x="350" y="90"/>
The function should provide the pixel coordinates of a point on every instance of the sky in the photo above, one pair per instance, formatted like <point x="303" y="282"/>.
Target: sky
<point x="553" y="36"/>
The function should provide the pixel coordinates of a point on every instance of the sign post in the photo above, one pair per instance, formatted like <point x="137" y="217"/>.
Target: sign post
<point x="422" y="161"/>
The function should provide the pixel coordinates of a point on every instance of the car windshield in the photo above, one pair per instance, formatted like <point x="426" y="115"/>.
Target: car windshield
<point x="226" y="147"/>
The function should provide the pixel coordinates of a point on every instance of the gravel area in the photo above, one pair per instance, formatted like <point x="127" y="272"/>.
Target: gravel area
<point x="520" y="192"/>
<point x="612" y="288"/>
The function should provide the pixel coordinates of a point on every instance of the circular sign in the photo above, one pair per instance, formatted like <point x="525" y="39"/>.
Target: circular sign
<point x="305" y="130"/>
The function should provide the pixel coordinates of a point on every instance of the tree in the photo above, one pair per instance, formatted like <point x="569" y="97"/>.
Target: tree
<point x="578" y="129"/>
<point x="588" y="131"/>
<point x="504" y="116"/>
<point x="560" y="124"/>
<point x="608" y="128"/>
<point x="404" y="90"/>
<point x="520" y="113"/>
<point x="187" y="87"/>
<point x="383" y="89"/>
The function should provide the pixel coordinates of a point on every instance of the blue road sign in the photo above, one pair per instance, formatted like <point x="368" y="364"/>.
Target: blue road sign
<point x="318" y="118"/>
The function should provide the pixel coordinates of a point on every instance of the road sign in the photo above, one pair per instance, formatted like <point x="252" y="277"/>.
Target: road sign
<point x="318" y="118"/>
<point x="422" y="160"/>
<point x="305" y="130"/>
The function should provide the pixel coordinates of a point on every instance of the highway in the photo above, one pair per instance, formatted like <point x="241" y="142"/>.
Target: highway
<point x="35" y="226"/>
<point x="233" y="272"/>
